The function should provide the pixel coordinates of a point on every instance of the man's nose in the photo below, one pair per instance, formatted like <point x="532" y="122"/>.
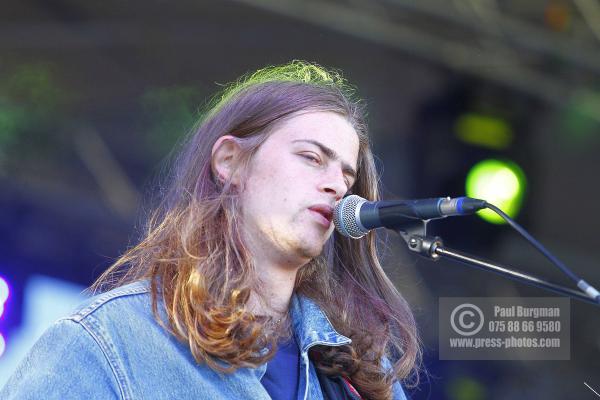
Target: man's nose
<point x="334" y="184"/>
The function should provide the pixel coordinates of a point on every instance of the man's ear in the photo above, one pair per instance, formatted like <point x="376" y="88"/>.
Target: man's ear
<point x="225" y="156"/>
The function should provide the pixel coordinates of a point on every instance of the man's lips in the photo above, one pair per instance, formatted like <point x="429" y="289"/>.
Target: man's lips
<point x="326" y="213"/>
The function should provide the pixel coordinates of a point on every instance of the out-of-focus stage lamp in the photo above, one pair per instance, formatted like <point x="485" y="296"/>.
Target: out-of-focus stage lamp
<point x="499" y="182"/>
<point x="2" y="345"/>
<point x="4" y="293"/>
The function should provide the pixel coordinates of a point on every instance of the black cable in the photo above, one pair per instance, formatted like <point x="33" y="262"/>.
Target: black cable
<point x="581" y="284"/>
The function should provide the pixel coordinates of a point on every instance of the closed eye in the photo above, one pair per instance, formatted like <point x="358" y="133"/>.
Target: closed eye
<point x="311" y="157"/>
<point x="316" y="160"/>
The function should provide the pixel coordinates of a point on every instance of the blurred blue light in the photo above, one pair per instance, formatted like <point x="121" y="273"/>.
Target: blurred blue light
<point x="2" y="345"/>
<point x="4" y="290"/>
<point x="4" y="293"/>
<point x="45" y="300"/>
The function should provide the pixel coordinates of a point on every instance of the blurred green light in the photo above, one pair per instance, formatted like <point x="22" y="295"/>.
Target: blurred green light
<point x="466" y="388"/>
<point x="170" y="111"/>
<point x="11" y="119"/>
<point x="501" y="183"/>
<point x="484" y="131"/>
<point x="580" y="119"/>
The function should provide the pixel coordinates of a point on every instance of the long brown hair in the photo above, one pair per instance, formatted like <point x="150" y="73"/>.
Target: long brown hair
<point x="201" y="273"/>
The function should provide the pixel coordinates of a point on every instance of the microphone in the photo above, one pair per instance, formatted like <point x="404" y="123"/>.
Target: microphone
<point x="354" y="216"/>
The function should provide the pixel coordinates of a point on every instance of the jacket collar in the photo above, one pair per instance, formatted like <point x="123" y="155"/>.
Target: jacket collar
<point x="311" y="326"/>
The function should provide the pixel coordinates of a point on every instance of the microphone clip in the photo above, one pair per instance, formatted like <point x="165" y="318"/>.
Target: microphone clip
<point x="414" y="233"/>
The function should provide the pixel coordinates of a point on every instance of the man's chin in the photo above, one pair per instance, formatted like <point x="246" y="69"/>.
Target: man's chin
<point x="309" y="251"/>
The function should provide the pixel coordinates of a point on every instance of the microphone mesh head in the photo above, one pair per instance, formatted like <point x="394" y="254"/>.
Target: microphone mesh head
<point x="345" y="217"/>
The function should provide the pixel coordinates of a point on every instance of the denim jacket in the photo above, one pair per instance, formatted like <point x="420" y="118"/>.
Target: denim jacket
<point x="112" y="348"/>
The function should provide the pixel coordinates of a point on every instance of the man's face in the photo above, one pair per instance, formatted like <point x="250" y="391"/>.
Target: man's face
<point x="295" y="179"/>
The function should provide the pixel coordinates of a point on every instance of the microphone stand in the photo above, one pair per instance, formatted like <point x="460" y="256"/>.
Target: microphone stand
<point x="414" y="233"/>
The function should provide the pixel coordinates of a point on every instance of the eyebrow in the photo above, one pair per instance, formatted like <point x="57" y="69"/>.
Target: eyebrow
<point x="331" y="154"/>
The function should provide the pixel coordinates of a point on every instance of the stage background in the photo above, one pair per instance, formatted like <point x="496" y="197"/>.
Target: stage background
<point x="94" y="95"/>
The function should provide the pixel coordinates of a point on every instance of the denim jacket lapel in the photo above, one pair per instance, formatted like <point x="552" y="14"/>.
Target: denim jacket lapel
<point x="311" y="327"/>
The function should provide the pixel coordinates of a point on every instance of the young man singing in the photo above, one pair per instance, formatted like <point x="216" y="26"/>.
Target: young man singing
<point x="240" y="288"/>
